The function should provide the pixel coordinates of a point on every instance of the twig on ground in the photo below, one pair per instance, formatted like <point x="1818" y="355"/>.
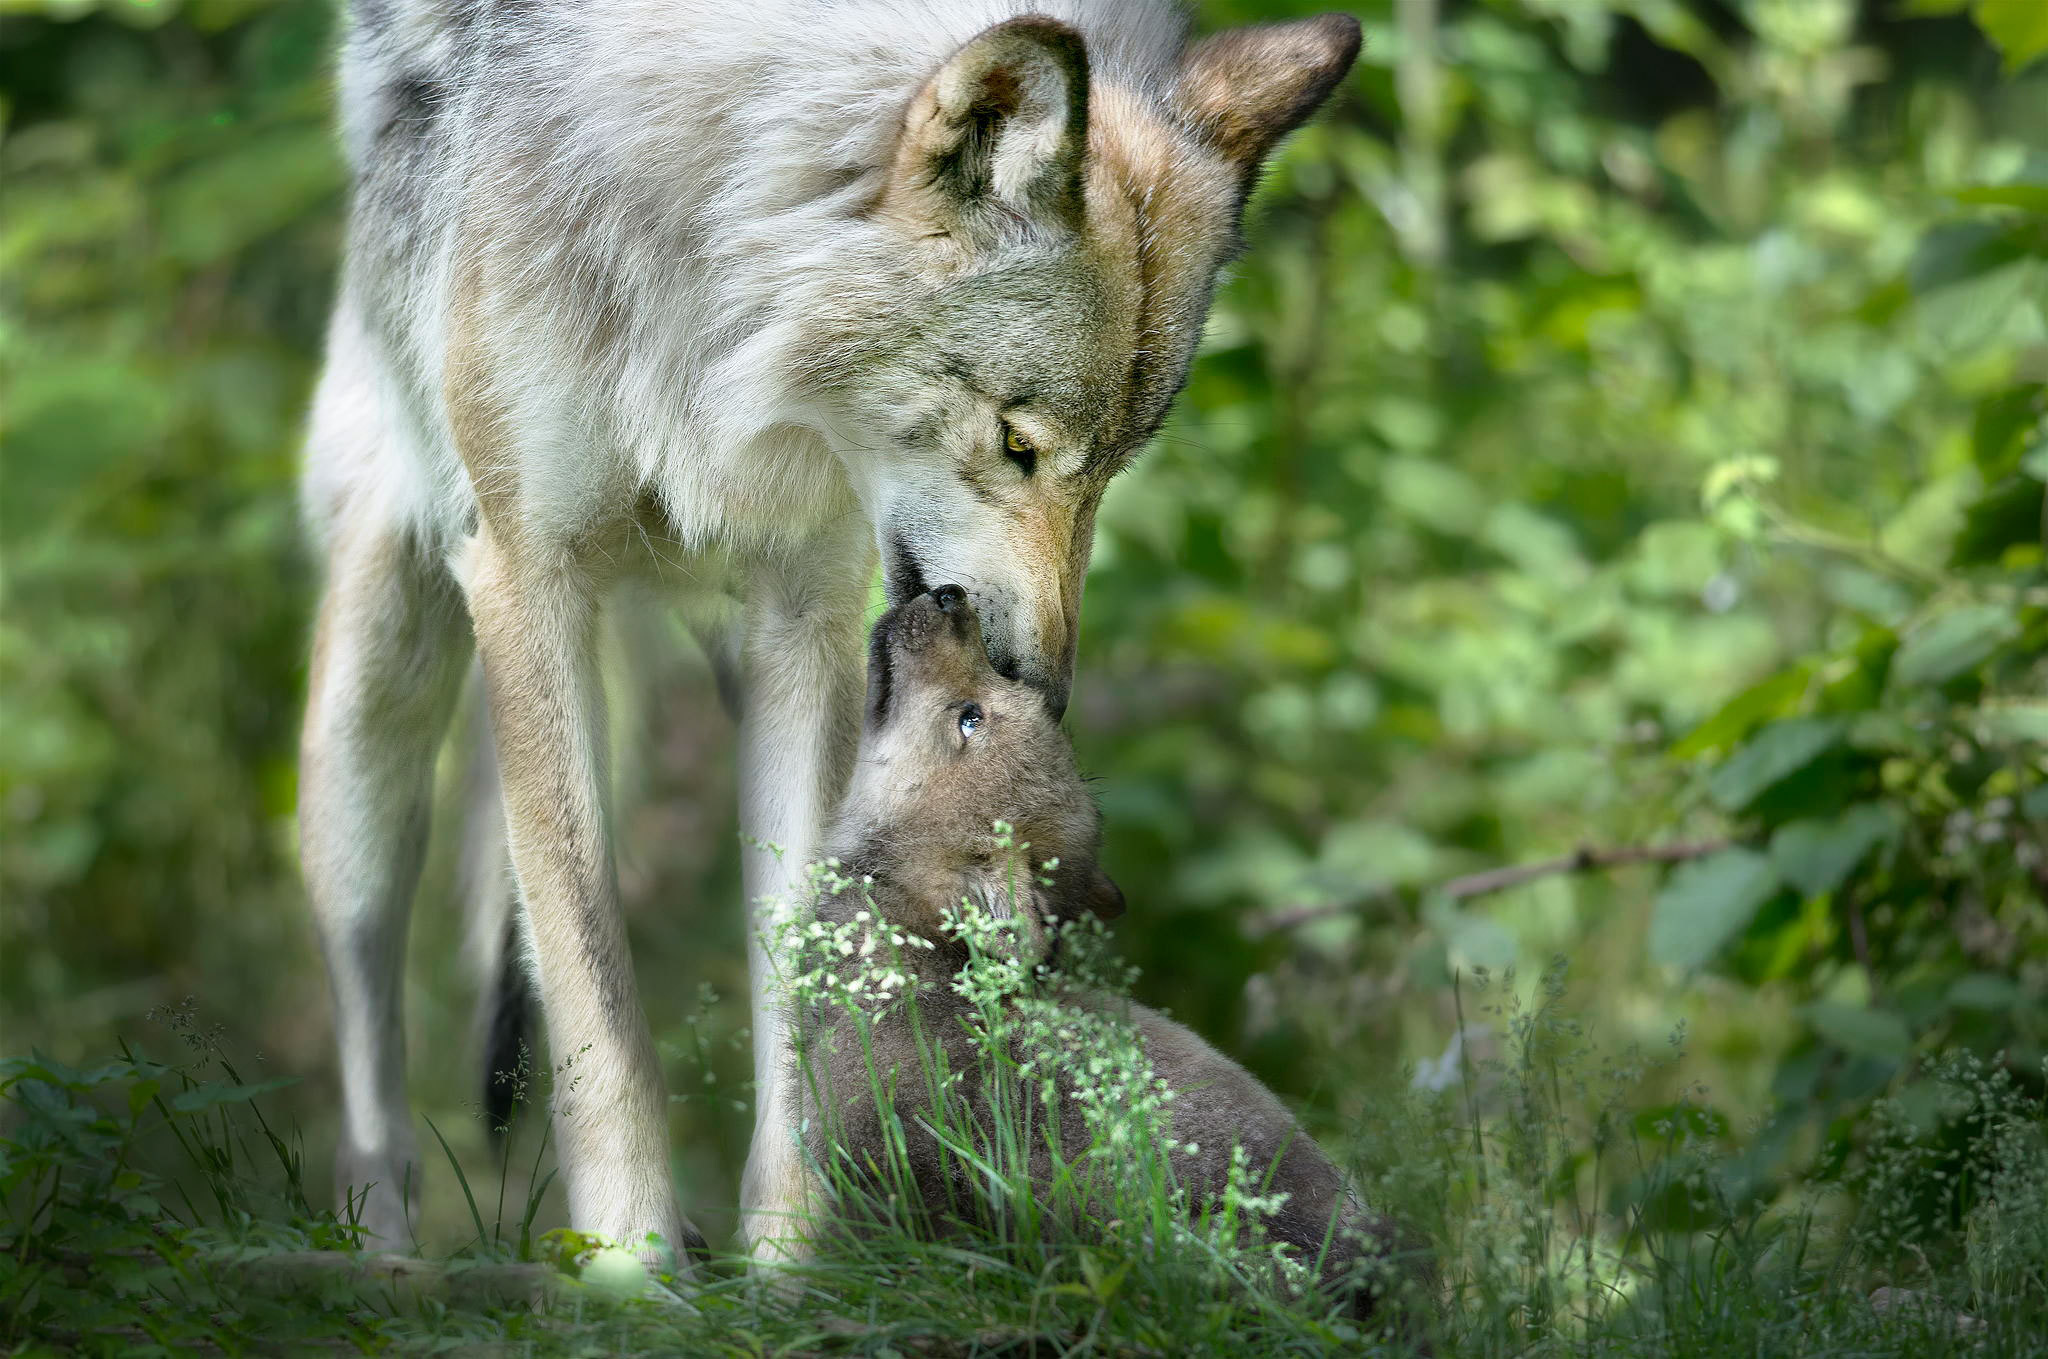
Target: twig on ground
<point x="1584" y="859"/>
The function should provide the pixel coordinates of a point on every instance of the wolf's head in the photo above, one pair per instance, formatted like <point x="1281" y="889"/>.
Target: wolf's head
<point x="949" y="747"/>
<point x="1055" y="237"/>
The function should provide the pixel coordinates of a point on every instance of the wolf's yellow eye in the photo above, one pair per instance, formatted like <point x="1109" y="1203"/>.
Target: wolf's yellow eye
<point x="1020" y="449"/>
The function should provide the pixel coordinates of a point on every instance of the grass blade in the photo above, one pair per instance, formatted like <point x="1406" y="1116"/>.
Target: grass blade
<point x="461" y="1179"/>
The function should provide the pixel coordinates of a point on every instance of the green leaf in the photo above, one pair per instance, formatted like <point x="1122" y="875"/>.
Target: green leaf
<point x="1434" y="494"/>
<point x="2032" y="197"/>
<point x="2000" y="428"/>
<point x="1778" y="751"/>
<point x="2018" y="28"/>
<point x="1960" y="252"/>
<point x="1958" y="640"/>
<point x="2006" y="516"/>
<point x="1706" y="903"/>
<point x="2034" y="462"/>
<point x="1103" y="1283"/>
<point x="222" y="204"/>
<point x="1816" y="854"/>
<point x="1855" y="685"/>
<point x="1859" y="1032"/>
<point x="2019" y="721"/>
<point x="1731" y="474"/>
<point x="1983" y="991"/>
<point x="1770" y="697"/>
<point x="53" y="1072"/>
<point x="1891" y="732"/>
<point x="226" y="1092"/>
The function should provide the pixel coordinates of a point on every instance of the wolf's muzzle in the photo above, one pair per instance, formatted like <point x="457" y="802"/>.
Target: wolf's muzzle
<point x="905" y="583"/>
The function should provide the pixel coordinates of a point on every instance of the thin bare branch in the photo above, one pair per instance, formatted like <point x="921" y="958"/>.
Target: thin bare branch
<point x="1584" y="859"/>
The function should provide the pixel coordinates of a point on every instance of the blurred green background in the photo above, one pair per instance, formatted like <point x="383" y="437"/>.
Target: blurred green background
<point x="1627" y="429"/>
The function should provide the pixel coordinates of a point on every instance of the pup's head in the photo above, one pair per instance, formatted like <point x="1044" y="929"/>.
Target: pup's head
<point x="949" y="747"/>
<point x="1049" y="232"/>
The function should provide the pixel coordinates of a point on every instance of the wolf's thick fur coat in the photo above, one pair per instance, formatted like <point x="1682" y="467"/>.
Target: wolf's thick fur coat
<point x="915" y="834"/>
<point x="739" y="296"/>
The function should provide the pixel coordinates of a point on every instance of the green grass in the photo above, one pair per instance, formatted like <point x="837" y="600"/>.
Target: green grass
<point x="141" y="1199"/>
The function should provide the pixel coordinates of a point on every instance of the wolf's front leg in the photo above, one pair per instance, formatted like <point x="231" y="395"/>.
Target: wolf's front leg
<point x="802" y="680"/>
<point x="536" y="617"/>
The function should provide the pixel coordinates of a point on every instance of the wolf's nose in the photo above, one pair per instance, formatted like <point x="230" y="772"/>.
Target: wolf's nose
<point x="949" y="598"/>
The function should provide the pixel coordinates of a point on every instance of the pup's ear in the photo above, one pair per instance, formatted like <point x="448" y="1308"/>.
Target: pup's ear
<point x="1001" y="130"/>
<point x="1246" y="89"/>
<point x="1102" y="898"/>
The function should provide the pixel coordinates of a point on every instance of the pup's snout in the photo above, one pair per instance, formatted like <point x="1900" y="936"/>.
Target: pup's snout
<point x="931" y="639"/>
<point x="943" y="611"/>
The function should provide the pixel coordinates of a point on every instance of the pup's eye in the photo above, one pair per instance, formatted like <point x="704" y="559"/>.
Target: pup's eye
<point x="1020" y="449"/>
<point x="970" y="720"/>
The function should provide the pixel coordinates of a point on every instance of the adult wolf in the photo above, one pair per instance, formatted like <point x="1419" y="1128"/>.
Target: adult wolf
<point x="756" y="291"/>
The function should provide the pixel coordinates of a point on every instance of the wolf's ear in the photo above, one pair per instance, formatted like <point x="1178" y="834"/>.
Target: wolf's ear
<point x="1246" y="89"/>
<point x="1001" y="129"/>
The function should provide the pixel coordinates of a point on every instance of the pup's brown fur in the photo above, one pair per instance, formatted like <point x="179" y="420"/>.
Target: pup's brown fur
<point x="917" y="823"/>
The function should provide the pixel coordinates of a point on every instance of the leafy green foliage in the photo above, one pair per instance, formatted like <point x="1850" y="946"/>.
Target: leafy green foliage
<point x="1562" y="1210"/>
<point x="1707" y="903"/>
<point x="93" y="1245"/>
<point x="1898" y="776"/>
<point x="2020" y="29"/>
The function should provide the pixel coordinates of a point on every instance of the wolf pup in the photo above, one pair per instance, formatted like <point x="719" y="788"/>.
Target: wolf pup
<point x="735" y="296"/>
<point x="950" y="747"/>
